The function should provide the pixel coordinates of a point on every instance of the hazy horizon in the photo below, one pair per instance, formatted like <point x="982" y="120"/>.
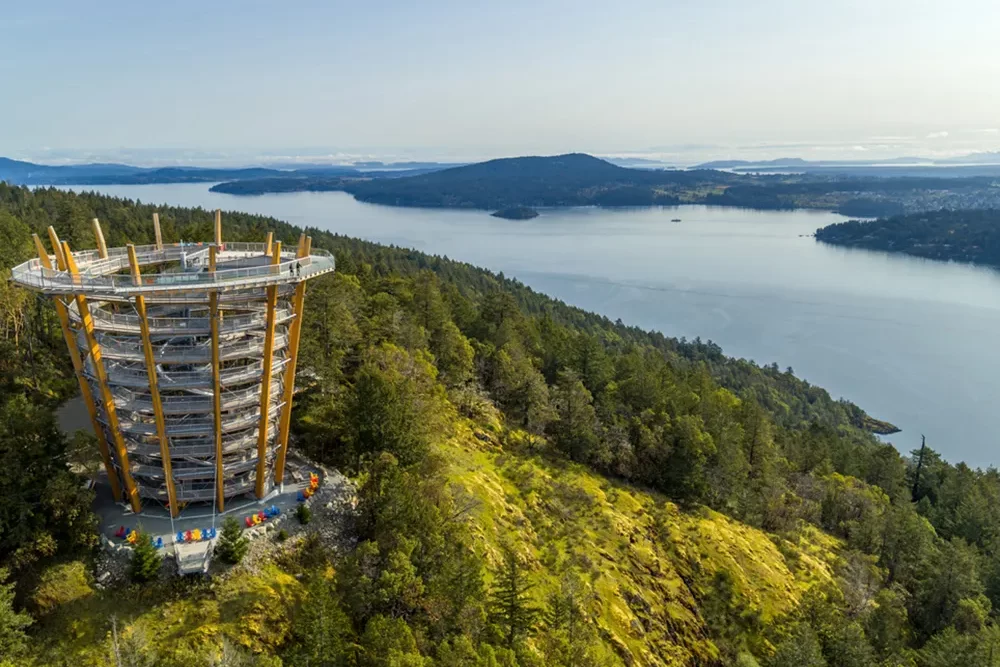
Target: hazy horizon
<point x="239" y="83"/>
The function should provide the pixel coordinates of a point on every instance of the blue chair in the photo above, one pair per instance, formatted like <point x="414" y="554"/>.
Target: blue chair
<point x="179" y="537"/>
<point x="301" y="497"/>
<point x="159" y="542"/>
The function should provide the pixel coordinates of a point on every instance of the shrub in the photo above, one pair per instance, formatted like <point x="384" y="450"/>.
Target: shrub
<point x="304" y="514"/>
<point x="233" y="544"/>
<point x="62" y="584"/>
<point x="146" y="559"/>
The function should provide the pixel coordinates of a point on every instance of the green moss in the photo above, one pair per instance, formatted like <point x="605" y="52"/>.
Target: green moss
<point x="646" y="562"/>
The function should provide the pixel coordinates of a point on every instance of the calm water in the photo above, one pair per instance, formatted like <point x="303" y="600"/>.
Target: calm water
<point x="911" y="341"/>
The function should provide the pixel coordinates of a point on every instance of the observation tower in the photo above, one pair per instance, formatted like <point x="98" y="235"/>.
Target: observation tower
<point x="186" y="355"/>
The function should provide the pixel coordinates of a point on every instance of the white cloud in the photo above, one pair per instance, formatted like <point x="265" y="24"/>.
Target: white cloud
<point x="937" y="135"/>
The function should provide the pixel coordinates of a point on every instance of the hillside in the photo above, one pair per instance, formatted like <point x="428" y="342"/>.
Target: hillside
<point x="16" y="172"/>
<point x="643" y="566"/>
<point x="536" y="486"/>
<point x="574" y="179"/>
<point x="960" y="236"/>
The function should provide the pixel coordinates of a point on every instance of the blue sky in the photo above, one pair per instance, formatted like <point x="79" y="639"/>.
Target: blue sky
<point x="239" y="81"/>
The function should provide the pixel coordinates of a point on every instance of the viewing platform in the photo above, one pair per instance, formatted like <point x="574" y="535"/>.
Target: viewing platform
<point x="96" y="276"/>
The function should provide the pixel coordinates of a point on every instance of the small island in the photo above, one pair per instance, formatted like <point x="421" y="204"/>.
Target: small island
<point x="516" y="213"/>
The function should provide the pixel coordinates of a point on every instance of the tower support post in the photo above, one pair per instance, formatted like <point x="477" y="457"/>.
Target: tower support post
<point x="102" y="247"/>
<point x="295" y="330"/>
<point x="102" y="378"/>
<point x="213" y="305"/>
<point x="85" y="393"/>
<point x="156" y="231"/>
<point x="265" y="385"/>
<point x="154" y="385"/>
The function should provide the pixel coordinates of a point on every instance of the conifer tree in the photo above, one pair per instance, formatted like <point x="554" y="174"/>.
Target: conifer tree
<point x="146" y="560"/>
<point x="233" y="544"/>
<point x="12" y="622"/>
<point x="510" y="603"/>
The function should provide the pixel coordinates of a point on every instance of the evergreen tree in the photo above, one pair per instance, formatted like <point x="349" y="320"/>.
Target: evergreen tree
<point x="233" y="544"/>
<point x="510" y="603"/>
<point x="12" y="622"/>
<point x="146" y="560"/>
<point x="322" y="630"/>
<point x="800" y="649"/>
<point x="574" y="432"/>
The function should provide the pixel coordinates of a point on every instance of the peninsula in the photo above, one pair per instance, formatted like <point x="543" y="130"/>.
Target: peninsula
<point x="962" y="236"/>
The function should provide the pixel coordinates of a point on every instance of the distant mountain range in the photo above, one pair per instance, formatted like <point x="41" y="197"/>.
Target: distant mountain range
<point x="577" y="179"/>
<point x="17" y="172"/>
<point x="975" y="164"/>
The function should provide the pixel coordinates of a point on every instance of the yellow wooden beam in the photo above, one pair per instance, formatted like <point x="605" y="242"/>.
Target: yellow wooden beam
<point x="102" y="247"/>
<point x="156" y="231"/>
<point x="285" y="421"/>
<point x="218" y="227"/>
<point x="265" y="385"/>
<point x="213" y="303"/>
<point x="102" y="379"/>
<point x="57" y="248"/>
<point x="88" y="397"/>
<point x="268" y="243"/>
<point x="154" y="385"/>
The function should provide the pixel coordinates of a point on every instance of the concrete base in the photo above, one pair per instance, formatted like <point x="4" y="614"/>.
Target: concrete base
<point x="155" y="519"/>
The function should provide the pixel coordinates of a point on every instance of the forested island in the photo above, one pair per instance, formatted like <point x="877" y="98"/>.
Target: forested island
<point x="962" y="236"/>
<point x="536" y="485"/>
<point x="516" y="213"/>
<point x="583" y="180"/>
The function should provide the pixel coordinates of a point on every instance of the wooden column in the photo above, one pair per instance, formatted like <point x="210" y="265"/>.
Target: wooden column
<point x="102" y="247"/>
<point x="102" y="379"/>
<point x="218" y="227"/>
<point x="285" y="421"/>
<point x="213" y="303"/>
<point x="265" y="385"/>
<point x="154" y="385"/>
<point x="74" y="355"/>
<point x="156" y="230"/>
<point x="268" y="243"/>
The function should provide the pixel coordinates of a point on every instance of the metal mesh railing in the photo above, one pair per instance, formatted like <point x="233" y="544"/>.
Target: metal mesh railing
<point x="172" y="353"/>
<point x="105" y="320"/>
<point x="129" y="376"/>
<point x="127" y="399"/>
<point x="94" y="278"/>
<point x="198" y="425"/>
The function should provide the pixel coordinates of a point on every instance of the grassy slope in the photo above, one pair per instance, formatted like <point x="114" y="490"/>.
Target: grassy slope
<point x="252" y="611"/>
<point x="646" y="562"/>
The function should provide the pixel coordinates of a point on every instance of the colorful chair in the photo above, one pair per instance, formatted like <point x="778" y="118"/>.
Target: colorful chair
<point x="196" y="534"/>
<point x="159" y="543"/>
<point x="179" y="537"/>
<point x="120" y="533"/>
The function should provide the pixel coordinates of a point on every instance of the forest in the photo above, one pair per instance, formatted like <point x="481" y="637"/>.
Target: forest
<point x="961" y="235"/>
<point x="536" y="485"/>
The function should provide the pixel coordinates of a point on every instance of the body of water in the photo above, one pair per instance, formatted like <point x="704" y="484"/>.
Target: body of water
<point x="911" y="341"/>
